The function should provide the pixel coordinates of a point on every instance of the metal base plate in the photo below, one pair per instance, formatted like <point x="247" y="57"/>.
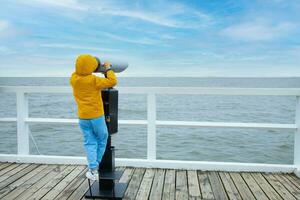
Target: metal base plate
<point x="116" y="193"/>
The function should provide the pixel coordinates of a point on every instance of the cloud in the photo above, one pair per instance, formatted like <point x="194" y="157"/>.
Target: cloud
<point x="144" y="41"/>
<point x="70" y="46"/>
<point x="3" y="25"/>
<point x="4" y="28"/>
<point x="174" y="15"/>
<point x="67" y="4"/>
<point x="152" y="18"/>
<point x="7" y="29"/>
<point x="258" y="31"/>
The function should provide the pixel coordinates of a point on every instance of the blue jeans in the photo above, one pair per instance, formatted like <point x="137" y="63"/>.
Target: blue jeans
<point x="95" y="138"/>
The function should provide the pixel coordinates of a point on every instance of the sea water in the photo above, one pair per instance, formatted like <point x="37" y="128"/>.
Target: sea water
<point x="179" y="143"/>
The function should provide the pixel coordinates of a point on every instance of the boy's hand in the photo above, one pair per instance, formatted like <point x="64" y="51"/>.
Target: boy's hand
<point x="107" y="65"/>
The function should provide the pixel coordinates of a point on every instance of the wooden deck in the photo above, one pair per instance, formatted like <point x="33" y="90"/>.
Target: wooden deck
<point x="33" y="181"/>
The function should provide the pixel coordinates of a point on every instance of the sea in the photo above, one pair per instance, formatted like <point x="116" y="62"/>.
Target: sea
<point x="173" y="143"/>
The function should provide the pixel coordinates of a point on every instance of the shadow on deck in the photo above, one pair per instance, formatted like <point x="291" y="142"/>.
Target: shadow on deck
<point x="33" y="181"/>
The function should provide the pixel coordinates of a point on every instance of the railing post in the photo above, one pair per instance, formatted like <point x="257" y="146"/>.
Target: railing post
<point x="151" y="128"/>
<point x="297" y="138"/>
<point x="22" y="127"/>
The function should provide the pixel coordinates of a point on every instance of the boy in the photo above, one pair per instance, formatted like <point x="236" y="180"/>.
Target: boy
<point x="87" y="93"/>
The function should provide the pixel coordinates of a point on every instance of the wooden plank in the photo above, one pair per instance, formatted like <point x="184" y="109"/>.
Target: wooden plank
<point x="295" y="177"/>
<point x="8" y="168"/>
<point x="181" y="185"/>
<point x="288" y="185"/>
<point x="72" y="186"/>
<point x="19" y="181"/>
<point x="295" y="180"/>
<point x="26" y="185"/>
<point x="11" y="170"/>
<point x="193" y="185"/>
<point x="265" y="186"/>
<point x="4" y="165"/>
<point x="127" y="174"/>
<point x="134" y="183"/>
<point x="63" y="183"/>
<point x="229" y="186"/>
<point x="205" y="186"/>
<point x="14" y="174"/>
<point x="21" y="172"/>
<point x="217" y="186"/>
<point x="40" y="183"/>
<point x="242" y="186"/>
<point x="169" y="185"/>
<point x="52" y="183"/>
<point x="157" y="185"/>
<point x="146" y="184"/>
<point x="280" y="189"/>
<point x="80" y="191"/>
<point x="256" y="190"/>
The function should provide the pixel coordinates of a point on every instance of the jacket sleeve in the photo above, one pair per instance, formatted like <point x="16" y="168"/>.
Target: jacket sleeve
<point x="72" y="79"/>
<point x="108" y="82"/>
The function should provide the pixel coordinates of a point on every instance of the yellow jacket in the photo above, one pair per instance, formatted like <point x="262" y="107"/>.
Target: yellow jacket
<point x="87" y="87"/>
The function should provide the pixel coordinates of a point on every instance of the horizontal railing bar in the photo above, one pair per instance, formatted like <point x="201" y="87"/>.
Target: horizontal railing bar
<point x="175" y="123"/>
<point x="51" y="120"/>
<point x="8" y="119"/>
<point x="133" y="122"/>
<point x="75" y="121"/>
<point x="227" y="125"/>
<point x="165" y="90"/>
<point x="36" y="89"/>
<point x="211" y="91"/>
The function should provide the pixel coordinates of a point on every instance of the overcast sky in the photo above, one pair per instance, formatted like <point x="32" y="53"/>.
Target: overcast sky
<point x="156" y="37"/>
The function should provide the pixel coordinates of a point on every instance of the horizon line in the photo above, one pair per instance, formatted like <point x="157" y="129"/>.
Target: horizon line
<point x="160" y="76"/>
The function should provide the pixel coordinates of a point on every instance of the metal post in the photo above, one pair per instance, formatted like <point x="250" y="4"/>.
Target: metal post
<point x="151" y="129"/>
<point x="22" y="127"/>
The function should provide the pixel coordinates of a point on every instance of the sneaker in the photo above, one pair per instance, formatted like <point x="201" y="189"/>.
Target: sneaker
<point x="92" y="174"/>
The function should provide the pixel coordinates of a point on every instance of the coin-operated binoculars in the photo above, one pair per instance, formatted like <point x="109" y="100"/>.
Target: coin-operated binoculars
<point x="107" y="187"/>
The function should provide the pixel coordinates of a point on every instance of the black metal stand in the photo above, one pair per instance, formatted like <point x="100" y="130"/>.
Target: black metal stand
<point x="107" y="187"/>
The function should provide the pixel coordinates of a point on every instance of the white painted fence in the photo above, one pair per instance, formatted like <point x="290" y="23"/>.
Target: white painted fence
<point x="23" y="122"/>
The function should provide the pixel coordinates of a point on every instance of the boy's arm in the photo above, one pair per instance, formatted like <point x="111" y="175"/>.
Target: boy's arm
<point x="72" y="79"/>
<point x="108" y="82"/>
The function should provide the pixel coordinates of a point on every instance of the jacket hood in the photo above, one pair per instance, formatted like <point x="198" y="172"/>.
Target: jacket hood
<point x="86" y="64"/>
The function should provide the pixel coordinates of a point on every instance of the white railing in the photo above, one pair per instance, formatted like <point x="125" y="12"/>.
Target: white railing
<point x="23" y="121"/>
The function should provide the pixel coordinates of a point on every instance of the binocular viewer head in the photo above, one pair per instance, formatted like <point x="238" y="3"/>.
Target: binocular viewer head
<point x="117" y="67"/>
